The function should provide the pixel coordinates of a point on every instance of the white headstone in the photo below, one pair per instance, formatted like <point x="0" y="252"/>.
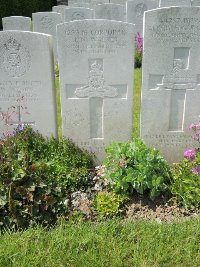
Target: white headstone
<point x="135" y="12"/>
<point x="16" y="23"/>
<point x="60" y="9"/>
<point x="167" y="3"/>
<point x="110" y="12"/>
<point x="171" y="79"/>
<point x="86" y="5"/>
<point x="45" y="22"/>
<point x="91" y="2"/>
<point x="27" y="93"/>
<point x="119" y="2"/>
<point x="96" y="82"/>
<point x="195" y="2"/>
<point x="78" y="13"/>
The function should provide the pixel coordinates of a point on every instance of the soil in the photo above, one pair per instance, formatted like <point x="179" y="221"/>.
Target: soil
<point x="160" y="210"/>
<point x="140" y="208"/>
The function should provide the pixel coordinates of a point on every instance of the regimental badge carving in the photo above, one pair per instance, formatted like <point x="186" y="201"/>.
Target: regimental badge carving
<point x="78" y="16"/>
<point x="178" y="65"/>
<point x="179" y="78"/>
<point x="96" y="86"/>
<point x="47" y="22"/>
<point x="14" y="58"/>
<point x="139" y="9"/>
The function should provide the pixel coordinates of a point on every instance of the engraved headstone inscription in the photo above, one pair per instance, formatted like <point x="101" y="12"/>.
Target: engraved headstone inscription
<point x="171" y="79"/>
<point x="110" y="12"/>
<point x="16" y="23"/>
<point x="96" y="82"/>
<point x="78" y="13"/>
<point x="167" y="3"/>
<point x="27" y="93"/>
<point x="135" y="12"/>
<point x="45" y="22"/>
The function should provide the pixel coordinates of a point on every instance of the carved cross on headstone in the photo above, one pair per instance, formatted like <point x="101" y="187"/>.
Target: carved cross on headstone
<point x="18" y="111"/>
<point x="178" y="81"/>
<point x="20" y="120"/>
<point x="96" y="90"/>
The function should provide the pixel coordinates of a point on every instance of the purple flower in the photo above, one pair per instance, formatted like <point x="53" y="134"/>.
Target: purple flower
<point x="190" y="154"/>
<point x="196" y="136"/>
<point x="20" y="127"/>
<point x="139" y="40"/>
<point x="196" y="170"/>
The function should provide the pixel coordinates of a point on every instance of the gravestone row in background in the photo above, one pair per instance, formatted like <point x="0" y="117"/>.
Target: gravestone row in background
<point x="16" y="23"/>
<point x="132" y="12"/>
<point x="45" y="22"/>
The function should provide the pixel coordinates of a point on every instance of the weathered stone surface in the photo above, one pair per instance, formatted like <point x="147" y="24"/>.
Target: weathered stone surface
<point x="195" y="2"/>
<point x="171" y="79"/>
<point x="167" y="3"/>
<point x="96" y="82"/>
<point x="16" y="23"/>
<point x="60" y="9"/>
<point x="27" y="93"/>
<point x="135" y="12"/>
<point x="92" y="3"/>
<point x="110" y="12"/>
<point x="119" y="2"/>
<point x="45" y="22"/>
<point x="78" y="13"/>
<point x="86" y="5"/>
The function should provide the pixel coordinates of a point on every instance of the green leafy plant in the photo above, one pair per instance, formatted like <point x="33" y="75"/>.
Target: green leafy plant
<point x="138" y="59"/>
<point x="37" y="175"/>
<point x="132" y="166"/>
<point x="186" y="184"/>
<point x="186" y="175"/>
<point x="108" y="204"/>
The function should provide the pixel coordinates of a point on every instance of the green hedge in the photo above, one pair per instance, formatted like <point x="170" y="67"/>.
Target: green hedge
<point x="23" y="7"/>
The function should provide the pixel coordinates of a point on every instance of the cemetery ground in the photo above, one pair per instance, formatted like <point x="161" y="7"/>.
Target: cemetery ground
<point x="144" y="233"/>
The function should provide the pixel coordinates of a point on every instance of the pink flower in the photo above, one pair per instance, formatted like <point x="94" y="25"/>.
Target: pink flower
<point x="192" y="126"/>
<point x="139" y="40"/>
<point x="198" y="126"/>
<point x="196" y="170"/>
<point x="190" y="154"/>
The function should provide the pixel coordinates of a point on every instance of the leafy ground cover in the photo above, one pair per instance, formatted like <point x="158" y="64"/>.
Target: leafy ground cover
<point x="111" y="243"/>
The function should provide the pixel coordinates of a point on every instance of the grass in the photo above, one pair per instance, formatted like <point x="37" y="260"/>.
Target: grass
<point x="58" y="104"/>
<point x="136" y="103"/>
<point x="111" y="243"/>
